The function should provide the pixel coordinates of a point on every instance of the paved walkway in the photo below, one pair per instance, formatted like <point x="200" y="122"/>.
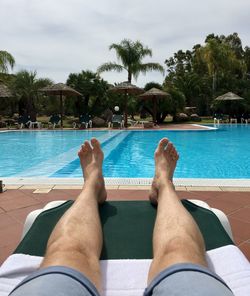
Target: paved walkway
<point x="16" y="204"/>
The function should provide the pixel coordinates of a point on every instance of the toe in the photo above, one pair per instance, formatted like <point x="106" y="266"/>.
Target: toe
<point x="96" y="144"/>
<point x="176" y="156"/>
<point x="82" y="150"/>
<point x="174" y="151"/>
<point x="87" y="146"/>
<point x="162" y="145"/>
<point x="169" y="148"/>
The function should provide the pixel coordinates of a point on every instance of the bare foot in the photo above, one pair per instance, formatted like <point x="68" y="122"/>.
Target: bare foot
<point x="91" y="159"/>
<point x="166" y="158"/>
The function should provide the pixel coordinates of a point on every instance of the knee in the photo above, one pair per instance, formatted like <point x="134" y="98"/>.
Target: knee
<point x="72" y="248"/>
<point x="181" y="246"/>
<point x="174" y="245"/>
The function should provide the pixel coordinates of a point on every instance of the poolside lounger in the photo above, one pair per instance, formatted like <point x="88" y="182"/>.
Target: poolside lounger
<point x="221" y="118"/>
<point x="225" y="118"/>
<point x="84" y="121"/>
<point x="245" y="118"/>
<point x="218" y="118"/>
<point x="134" y="123"/>
<point x="119" y="233"/>
<point x="24" y="121"/>
<point x="34" y="124"/>
<point x="127" y="242"/>
<point x="233" y="120"/>
<point x="54" y="121"/>
<point x="117" y="121"/>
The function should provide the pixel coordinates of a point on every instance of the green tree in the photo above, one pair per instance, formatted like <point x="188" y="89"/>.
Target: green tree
<point x="234" y="42"/>
<point x="26" y="87"/>
<point x="177" y="102"/>
<point x="209" y="70"/>
<point x="93" y="89"/>
<point x="184" y="77"/>
<point x="247" y="60"/>
<point x="152" y="84"/>
<point x="131" y="54"/>
<point x="221" y="59"/>
<point x="6" y="61"/>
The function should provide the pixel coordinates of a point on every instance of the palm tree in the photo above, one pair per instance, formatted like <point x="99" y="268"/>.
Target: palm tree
<point x="130" y="54"/>
<point x="26" y="87"/>
<point x="6" y="61"/>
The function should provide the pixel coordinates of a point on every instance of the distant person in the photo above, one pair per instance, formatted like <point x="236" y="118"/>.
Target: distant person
<point x="71" y="263"/>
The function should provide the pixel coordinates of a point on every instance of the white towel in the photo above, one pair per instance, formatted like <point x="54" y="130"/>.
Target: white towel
<point x="129" y="277"/>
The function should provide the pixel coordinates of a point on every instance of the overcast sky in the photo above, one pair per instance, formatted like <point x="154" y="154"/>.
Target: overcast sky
<point x="58" y="37"/>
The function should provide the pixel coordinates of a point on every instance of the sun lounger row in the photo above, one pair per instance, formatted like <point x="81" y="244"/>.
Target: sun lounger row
<point x="83" y="122"/>
<point x="26" y="122"/>
<point x="222" y="118"/>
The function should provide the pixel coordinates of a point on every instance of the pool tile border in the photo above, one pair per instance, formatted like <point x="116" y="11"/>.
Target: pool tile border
<point x="43" y="183"/>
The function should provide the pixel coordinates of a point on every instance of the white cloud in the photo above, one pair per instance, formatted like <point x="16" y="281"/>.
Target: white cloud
<point x="58" y="37"/>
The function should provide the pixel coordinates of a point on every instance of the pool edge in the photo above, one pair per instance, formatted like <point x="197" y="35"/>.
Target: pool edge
<point x="124" y="183"/>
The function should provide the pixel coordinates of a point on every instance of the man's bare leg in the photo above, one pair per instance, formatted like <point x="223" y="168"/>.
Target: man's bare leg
<point x="176" y="237"/>
<point x="76" y="241"/>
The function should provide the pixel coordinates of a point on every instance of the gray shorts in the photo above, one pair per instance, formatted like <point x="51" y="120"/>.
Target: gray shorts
<point x="179" y="279"/>
<point x="55" y="280"/>
<point x="189" y="280"/>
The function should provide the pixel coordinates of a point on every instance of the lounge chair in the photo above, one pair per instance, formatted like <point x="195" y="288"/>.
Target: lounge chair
<point x="84" y="122"/>
<point x="245" y="118"/>
<point x="117" y="121"/>
<point x="223" y="257"/>
<point x="134" y="123"/>
<point x="54" y="121"/>
<point x="221" y="118"/>
<point x="24" y="121"/>
<point x="34" y="123"/>
<point x="217" y="118"/>
<point x="233" y="119"/>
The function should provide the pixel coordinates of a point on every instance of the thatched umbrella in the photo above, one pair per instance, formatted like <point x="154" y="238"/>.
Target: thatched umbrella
<point x="4" y="91"/>
<point x="60" y="89"/>
<point x="154" y="94"/>
<point x="126" y="88"/>
<point x="229" y="97"/>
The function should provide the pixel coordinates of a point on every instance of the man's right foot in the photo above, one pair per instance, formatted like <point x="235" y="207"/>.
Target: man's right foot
<point x="166" y="158"/>
<point x="91" y="159"/>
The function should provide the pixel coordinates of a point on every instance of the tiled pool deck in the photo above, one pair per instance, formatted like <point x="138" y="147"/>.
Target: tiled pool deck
<point x="15" y="204"/>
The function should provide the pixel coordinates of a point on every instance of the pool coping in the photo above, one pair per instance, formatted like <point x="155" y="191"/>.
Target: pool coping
<point x="128" y="183"/>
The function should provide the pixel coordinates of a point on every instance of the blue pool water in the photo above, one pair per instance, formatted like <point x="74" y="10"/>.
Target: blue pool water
<point x="222" y="153"/>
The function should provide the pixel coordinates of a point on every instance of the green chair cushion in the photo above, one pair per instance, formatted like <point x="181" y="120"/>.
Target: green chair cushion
<point x="127" y="229"/>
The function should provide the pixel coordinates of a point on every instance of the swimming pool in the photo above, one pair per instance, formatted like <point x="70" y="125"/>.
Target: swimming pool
<point x="222" y="153"/>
